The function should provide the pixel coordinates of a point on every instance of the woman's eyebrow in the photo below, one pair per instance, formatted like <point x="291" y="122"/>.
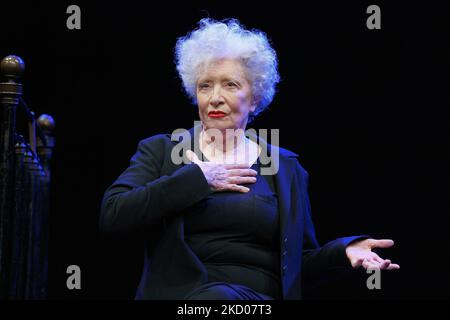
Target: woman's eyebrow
<point x="202" y="80"/>
<point x="236" y="78"/>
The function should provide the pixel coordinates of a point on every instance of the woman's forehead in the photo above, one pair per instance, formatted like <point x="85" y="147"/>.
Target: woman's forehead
<point x="223" y="68"/>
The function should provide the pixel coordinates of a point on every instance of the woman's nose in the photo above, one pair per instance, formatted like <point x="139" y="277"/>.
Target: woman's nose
<point x="216" y="98"/>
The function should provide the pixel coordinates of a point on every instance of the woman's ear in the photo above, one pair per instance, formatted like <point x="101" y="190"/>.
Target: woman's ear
<point x="254" y="104"/>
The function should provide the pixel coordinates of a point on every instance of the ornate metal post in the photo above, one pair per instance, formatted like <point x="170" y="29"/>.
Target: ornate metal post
<point x="11" y="68"/>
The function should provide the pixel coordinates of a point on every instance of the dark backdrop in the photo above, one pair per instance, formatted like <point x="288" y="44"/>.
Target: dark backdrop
<point x="366" y="110"/>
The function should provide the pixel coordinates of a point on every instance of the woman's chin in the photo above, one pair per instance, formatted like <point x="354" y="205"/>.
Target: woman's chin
<point x="219" y="123"/>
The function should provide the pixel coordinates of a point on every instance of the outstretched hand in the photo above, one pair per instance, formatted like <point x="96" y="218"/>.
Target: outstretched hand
<point x="360" y="254"/>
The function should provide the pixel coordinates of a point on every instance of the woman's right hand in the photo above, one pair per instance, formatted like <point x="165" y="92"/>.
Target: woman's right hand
<point x="224" y="177"/>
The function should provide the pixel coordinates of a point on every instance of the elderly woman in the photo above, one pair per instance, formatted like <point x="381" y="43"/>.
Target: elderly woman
<point x="215" y="227"/>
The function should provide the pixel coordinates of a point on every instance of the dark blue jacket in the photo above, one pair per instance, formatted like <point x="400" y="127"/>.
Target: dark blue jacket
<point x="149" y="195"/>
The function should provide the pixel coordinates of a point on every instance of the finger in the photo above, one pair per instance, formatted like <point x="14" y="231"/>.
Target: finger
<point x="378" y="258"/>
<point x="371" y="265"/>
<point x="235" y="187"/>
<point x="189" y="155"/>
<point x="393" y="266"/>
<point x="237" y="166"/>
<point x="384" y="243"/>
<point x="192" y="156"/>
<point x="241" y="180"/>
<point x="385" y="264"/>
<point x="242" y="172"/>
<point x="356" y="263"/>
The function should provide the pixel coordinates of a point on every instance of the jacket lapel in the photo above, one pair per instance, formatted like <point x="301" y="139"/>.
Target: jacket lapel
<point x="283" y="182"/>
<point x="283" y="177"/>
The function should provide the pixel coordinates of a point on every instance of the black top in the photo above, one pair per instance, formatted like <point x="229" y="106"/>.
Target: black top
<point x="151" y="196"/>
<point x="236" y="235"/>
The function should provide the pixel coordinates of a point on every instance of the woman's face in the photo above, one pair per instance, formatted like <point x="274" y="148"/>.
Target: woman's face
<point x="224" y="95"/>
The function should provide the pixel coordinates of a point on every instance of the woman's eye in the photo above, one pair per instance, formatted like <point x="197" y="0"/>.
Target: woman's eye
<point x="231" y="84"/>
<point x="203" y="86"/>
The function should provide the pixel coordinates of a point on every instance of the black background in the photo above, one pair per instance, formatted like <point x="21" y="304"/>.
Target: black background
<point x="366" y="110"/>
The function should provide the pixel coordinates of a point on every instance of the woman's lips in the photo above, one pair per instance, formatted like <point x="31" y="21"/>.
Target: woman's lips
<point x="216" y="114"/>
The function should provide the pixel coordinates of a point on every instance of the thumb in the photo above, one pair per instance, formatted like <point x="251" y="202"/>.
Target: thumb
<point x="192" y="156"/>
<point x="384" y="243"/>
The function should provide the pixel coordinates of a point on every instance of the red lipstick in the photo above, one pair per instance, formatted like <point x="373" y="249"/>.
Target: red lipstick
<point x="216" y="114"/>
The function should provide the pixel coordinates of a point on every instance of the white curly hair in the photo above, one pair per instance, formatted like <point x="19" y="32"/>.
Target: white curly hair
<point x="215" y="40"/>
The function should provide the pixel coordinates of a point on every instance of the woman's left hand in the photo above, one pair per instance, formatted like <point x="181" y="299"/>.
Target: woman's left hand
<point x="360" y="254"/>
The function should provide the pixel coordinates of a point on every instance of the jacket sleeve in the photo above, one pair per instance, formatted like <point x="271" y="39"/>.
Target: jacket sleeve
<point x="321" y="262"/>
<point x="141" y="197"/>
